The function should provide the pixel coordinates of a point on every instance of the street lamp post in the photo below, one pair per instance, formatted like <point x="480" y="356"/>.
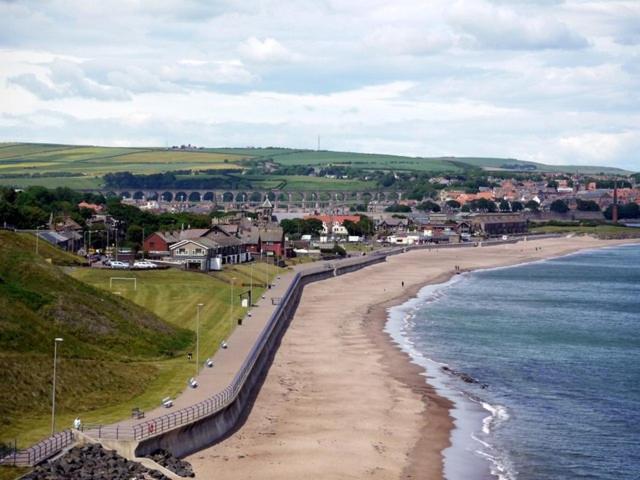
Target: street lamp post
<point x="233" y="281"/>
<point x="38" y="238"/>
<point x="53" y="392"/>
<point x="251" y="284"/>
<point x="200" y="305"/>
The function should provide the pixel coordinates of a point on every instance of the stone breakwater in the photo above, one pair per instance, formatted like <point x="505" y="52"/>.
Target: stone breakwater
<point x="92" y="462"/>
<point x="168" y="461"/>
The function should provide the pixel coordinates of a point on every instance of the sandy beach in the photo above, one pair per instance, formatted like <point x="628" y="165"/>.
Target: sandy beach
<point x="341" y="400"/>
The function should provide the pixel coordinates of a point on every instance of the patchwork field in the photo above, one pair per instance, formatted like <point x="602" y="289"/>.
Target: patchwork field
<point x="82" y="167"/>
<point x="50" y="165"/>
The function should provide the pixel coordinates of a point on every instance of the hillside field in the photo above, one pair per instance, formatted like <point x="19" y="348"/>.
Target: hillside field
<point x="82" y="167"/>
<point x="120" y="350"/>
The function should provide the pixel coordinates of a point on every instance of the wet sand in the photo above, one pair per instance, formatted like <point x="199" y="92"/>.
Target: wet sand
<point x="341" y="400"/>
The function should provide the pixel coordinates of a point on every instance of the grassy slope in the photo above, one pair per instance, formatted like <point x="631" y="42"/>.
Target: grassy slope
<point x="173" y="296"/>
<point x="597" y="230"/>
<point x="109" y="345"/>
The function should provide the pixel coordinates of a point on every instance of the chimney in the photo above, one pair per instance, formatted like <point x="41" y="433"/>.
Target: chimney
<point x="614" y="209"/>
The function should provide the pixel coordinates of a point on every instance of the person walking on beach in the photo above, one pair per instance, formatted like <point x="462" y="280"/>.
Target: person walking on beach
<point x="403" y="284"/>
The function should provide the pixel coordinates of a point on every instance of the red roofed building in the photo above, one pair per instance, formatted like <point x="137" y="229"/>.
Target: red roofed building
<point x="334" y="223"/>
<point x="91" y="206"/>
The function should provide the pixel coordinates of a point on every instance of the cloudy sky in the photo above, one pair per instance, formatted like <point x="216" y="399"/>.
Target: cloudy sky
<point x="545" y="80"/>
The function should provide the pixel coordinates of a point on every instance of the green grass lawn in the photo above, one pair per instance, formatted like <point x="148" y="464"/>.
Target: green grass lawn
<point x="11" y="473"/>
<point x="111" y="351"/>
<point x="119" y="351"/>
<point x="597" y="230"/>
<point x="364" y="160"/>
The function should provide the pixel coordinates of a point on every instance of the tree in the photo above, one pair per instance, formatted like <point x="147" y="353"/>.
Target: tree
<point x="552" y="184"/>
<point x="362" y="227"/>
<point x="398" y="208"/>
<point x="483" y="205"/>
<point x="453" y="204"/>
<point x="517" y="206"/>
<point x="387" y="180"/>
<point x="504" y="206"/>
<point x="532" y="205"/>
<point x="587" y="206"/>
<point x="135" y="236"/>
<point x="559" y="206"/>
<point x="630" y="210"/>
<point x="312" y="226"/>
<point x="428" y="206"/>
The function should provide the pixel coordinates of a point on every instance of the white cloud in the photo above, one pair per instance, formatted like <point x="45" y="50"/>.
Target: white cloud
<point x="502" y="28"/>
<point x="208" y="73"/>
<point x="407" y="41"/>
<point x="67" y="79"/>
<point x="599" y="147"/>
<point x="546" y="80"/>
<point x="268" y="50"/>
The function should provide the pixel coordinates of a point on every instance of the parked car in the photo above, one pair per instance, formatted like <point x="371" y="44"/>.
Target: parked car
<point x="144" y="264"/>
<point x="117" y="264"/>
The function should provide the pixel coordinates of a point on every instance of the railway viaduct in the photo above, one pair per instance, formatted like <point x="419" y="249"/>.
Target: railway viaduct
<point x="255" y="196"/>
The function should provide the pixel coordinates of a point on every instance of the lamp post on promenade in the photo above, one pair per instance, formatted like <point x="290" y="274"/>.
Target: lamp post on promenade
<point x="53" y="391"/>
<point x="199" y="306"/>
<point x="251" y="284"/>
<point x="233" y="281"/>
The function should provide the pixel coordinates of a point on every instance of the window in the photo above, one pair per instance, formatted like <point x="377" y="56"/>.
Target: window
<point x="182" y="251"/>
<point x="198" y="251"/>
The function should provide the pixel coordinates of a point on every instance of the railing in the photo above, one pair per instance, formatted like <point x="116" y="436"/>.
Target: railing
<point x="40" y="451"/>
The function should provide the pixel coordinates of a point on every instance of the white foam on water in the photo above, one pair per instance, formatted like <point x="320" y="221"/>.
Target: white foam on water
<point x="462" y="460"/>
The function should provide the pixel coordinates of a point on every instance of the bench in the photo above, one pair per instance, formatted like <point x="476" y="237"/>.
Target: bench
<point x="137" y="413"/>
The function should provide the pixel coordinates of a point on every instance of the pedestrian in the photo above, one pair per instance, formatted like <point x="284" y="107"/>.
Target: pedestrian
<point x="403" y="284"/>
<point x="189" y="356"/>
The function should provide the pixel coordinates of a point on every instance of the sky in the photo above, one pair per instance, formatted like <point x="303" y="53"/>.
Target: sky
<point x="544" y="80"/>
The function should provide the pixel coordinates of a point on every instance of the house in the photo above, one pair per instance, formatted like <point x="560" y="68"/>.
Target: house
<point x="157" y="244"/>
<point x="205" y="254"/>
<point x="334" y="224"/>
<point x="229" y="248"/>
<point x="95" y="208"/>
<point x="65" y="224"/>
<point x="269" y="240"/>
<point x="392" y="224"/>
<point x="403" y="239"/>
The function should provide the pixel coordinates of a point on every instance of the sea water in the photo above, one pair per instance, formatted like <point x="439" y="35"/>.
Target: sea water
<point x="554" y="347"/>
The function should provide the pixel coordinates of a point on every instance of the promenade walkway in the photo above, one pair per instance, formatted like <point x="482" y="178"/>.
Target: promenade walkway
<point x="226" y="363"/>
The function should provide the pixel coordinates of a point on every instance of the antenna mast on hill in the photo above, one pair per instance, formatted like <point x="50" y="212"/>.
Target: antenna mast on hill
<point x="318" y="149"/>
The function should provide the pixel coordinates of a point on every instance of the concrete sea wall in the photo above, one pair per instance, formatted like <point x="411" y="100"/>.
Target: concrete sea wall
<point x="195" y="436"/>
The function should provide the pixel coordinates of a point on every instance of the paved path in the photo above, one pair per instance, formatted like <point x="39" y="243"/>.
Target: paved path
<point x="226" y="362"/>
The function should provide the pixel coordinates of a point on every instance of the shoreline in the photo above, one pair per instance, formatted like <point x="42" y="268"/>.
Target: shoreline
<point x="341" y="388"/>
<point x="405" y="368"/>
<point x="435" y="435"/>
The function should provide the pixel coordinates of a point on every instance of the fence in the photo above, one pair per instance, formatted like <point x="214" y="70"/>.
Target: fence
<point x="40" y="451"/>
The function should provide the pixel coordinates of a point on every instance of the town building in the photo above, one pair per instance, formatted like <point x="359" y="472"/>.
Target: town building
<point x="496" y="224"/>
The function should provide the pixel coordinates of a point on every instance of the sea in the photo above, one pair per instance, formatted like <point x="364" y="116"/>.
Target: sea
<point x="542" y="362"/>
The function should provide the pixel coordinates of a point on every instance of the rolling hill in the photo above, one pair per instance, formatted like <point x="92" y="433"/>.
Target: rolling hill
<point x="108" y="340"/>
<point x="82" y="167"/>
